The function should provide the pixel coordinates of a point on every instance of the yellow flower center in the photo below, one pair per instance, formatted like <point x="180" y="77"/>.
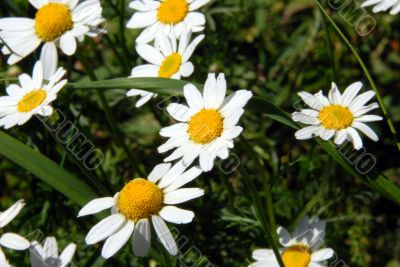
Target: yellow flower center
<point x="170" y="65"/>
<point x="172" y="11"/>
<point x="206" y="126"/>
<point x="140" y="199"/>
<point x="31" y="100"/>
<point x="336" y="117"/>
<point x="52" y="21"/>
<point x="296" y="256"/>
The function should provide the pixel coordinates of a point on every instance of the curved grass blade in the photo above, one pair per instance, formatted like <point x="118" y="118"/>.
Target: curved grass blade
<point x="45" y="169"/>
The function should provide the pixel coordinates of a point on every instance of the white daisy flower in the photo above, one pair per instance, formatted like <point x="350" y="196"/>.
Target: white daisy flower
<point x="57" y="23"/>
<point x="167" y="60"/>
<point x="167" y="16"/>
<point x="47" y="255"/>
<point x="11" y="240"/>
<point x="138" y="203"/>
<point x="31" y="98"/>
<point x="207" y="125"/>
<point x="301" y="249"/>
<point x="338" y="116"/>
<point x="383" y="5"/>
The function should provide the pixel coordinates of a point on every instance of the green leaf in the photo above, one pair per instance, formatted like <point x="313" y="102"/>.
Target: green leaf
<point x="45" y="169"/>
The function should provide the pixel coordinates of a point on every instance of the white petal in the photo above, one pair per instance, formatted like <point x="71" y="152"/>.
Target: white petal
<point x="197" y="4"/>
<point x="179" y="112"/>
<point x="361" y="99"/>
<point x="350" y="93"/>
<point x="150" y="54"/>
<point x="158" y="172"/>
<point x="192" y="46"/>
<point x="51" y="247"/>
<point x="235" y="101"/>
<point x="193" y="97"/>
<point x="322" y="254"/>
<point x="284" y="236"/>
<point x="326" y="134"/>
<point x="310" y="100"/>
<point x="115" y="242"/>
<point x="305" y="119"/>
<point x="141" y="238"/>
<point x="334" y="95"/>
<point x="369" y="118"/>
<point x="176" y="215"/>
<point x="209" y="90"/>
<point x="183" y="179"/>
<point x="49" y="59"/>
<point x="96" y="206"/>
<point x="14" y="241"/>
<point x="105" y="228"/>
<point x="164" y="234"/>
<point x="263" y="255"/>
<point x="68" y="43"/>
<point x="340" y="137"/>
<point x="67" y="254"/>
<point x="142" y="19"/>
<point x="9" y="214"/>
<point x="26" y="82"/>
<point x="37" y="75"/>
<point x="16" y="24"/>
<point x="186" y="69"/>
<point x="182" y="195"/>
<point x="355" y="138"/>
<point x="366" y="130"/>
<point x="307" y="132"/>
<point x="364" y="109"/>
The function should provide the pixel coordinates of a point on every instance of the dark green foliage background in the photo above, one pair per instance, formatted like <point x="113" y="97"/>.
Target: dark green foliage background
<point x="275" y="49"/>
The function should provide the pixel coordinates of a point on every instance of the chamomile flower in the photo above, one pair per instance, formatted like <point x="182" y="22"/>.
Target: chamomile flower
<point x="11" y="240"/>
<point x="56" y="23"/>
<point x="301" y="249"/>
<point x="207" y="126"/>
<point x="168" y="59"/>
<point x="337" y="116"/>
<point x="167" y="16"/>
<point x="47" y="255"/>
<point x="31" y="97"/>
<point x="140" y="202"/>
<point x="383" y="5"/>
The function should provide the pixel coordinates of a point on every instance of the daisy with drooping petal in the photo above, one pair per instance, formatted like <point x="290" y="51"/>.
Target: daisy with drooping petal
<point x="383" y="5"/>
<point x="47" y="255"/>
<point x="138" y="203"/>
<point x="167" y="60"/>
<point x="31" y="97"/>
<point x="338" y="115"/>
<point x="207" y="125"/>
<point x="301" y="249"/>
<point x="57" y="23"/>
<point x="166" y="16"/>
<point x="11" y="240"/>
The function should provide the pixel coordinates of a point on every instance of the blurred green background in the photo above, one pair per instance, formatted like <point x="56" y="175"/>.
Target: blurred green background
<point x="273" y="48"/>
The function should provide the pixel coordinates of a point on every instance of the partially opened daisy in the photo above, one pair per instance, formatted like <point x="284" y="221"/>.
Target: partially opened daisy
<point x="32" y="97"/>
<point x="337" y="116"/>
<point x="47" y="255"/>
<point x="301" y="249"/>
<point x="140" y="202"/>
<point x="166" y="16"/>
<point x="167" y="60"/>
<point x="207" y="126"/>
<point x="11" y="240"/>
<point x="383" y="5"/>
<point x="57" y="23"/>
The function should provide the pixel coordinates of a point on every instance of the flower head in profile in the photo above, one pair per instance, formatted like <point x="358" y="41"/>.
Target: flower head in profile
<point x="140" y="203"/>
<point x="11" y="240"/>
<point x="47" y="255"/>
<point x="383" y="5"/>
<point x="166" y="16"/>
<point x="32" y="97"/>
<point x="337" y="116"/>
<point x="168" y="59"/>
<point x="301" y="249"/>
<point x="207" y="125"/>
<point x="56" y="23"/>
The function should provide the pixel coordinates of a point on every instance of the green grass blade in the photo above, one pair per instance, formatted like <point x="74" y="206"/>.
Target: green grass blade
<point x="45" y="169"/>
